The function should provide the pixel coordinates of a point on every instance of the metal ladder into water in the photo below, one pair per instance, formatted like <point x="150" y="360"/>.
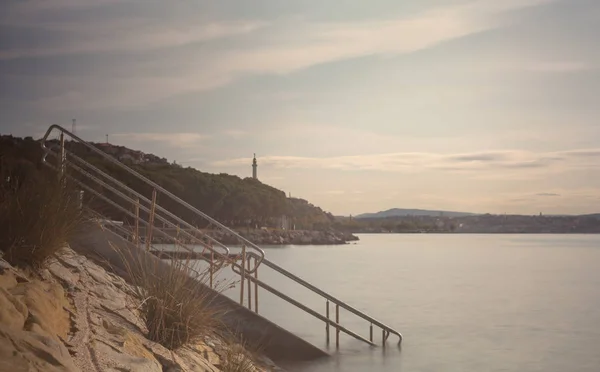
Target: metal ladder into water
<point x="147" y="212"/>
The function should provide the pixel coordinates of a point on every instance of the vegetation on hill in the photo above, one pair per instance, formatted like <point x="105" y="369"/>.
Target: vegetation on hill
<point x="399" y="212"/>
<point x="230" y="199"/>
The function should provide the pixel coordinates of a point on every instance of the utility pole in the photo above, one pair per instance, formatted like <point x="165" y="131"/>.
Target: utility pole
<point x="107" y="139"/>
<point x="74" y="127"/>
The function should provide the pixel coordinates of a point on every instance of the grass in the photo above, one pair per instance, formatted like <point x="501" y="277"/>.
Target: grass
<point x="173" y="300"/>
<point x="239" y="357"/>
<point x="38" y="216"/>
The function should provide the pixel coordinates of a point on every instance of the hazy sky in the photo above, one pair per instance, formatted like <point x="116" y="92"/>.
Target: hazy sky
<point x="471" y="105"/>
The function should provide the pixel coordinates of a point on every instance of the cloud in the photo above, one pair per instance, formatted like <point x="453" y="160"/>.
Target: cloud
<point x="557" y="66"/>
<point x="235" y="133"/>
<point x="335" y="192"/>
<point x="414" y="162"/>
<point x="327" y="42"/>
<point x="92" y="32"/>
<point x="170" y="139"/>
<point x="276" y="47"/>
<point x="131" y="36"/>
<point x="547" y="194"/>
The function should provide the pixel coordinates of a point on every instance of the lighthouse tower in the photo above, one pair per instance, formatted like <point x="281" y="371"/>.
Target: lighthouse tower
<point x="254" y="168"/>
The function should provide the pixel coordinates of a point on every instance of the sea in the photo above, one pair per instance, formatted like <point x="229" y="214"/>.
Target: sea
<point x="519" y="303"/>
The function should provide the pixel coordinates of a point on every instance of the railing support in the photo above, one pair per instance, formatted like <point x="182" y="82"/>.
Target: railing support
<point x="337" y="329"/>
<point x="151" y="221"/>
<point x="211" y="269"/>
<point x="327" y="323"/>
<point x="62" y="155"/>
<point x="249" y="285"/>
<point x="243" y="274"/>
<point x="371" y="332"/>
<point x="256" y="287"/>
<point x="137" y="223"/>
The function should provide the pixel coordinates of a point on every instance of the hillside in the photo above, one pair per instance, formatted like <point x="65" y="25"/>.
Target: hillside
<point x="399" y="212"/>
<point x="232" y="200"/>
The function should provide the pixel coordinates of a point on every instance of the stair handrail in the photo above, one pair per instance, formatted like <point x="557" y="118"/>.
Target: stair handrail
<point x="257" y="250"/>
<point x="323" y="294"/>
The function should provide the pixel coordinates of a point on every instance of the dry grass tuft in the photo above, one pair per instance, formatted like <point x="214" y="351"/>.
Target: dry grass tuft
<point x="173" y="300"/>
<point x="237" y="358"/>
<point x="38" y="216"/>
<point x="238" y="355"/>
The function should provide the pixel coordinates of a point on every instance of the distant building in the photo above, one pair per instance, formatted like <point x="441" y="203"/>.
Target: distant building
<point x="285" y="223"/>
<point x="254" y="168"/>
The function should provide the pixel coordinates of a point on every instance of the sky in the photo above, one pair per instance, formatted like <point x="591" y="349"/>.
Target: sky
<point x="357" y="106"/>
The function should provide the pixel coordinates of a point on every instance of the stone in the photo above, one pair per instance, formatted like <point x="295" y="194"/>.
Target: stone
<point x="113" y="360"/>
<point x="45" y="303"/>
<point x="71" y="260"/>
<point x="8" y="280"/>
<point x="12" y="311"/>
<point x="113" y="329"/>
<point x="6" y="268"/>
<point x="193" y="361"/>
<point x="27" y="351"/>
<point x="68" y="277"/>
<point x="97" y="273"/>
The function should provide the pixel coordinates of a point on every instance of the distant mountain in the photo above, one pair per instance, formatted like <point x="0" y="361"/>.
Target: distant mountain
<point x="399" y="212"/>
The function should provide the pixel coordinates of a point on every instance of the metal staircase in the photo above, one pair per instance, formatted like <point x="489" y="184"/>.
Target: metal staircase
<point x="156" y="217"/>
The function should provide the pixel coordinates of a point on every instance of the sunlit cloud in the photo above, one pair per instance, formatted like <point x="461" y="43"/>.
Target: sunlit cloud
<point x="414" y="162"/>
<point x="235" y="133"/>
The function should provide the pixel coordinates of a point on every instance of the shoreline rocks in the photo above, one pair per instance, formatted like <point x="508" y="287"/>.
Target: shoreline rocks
<point x="77" y="316"/>
<point x="288" y="237"/>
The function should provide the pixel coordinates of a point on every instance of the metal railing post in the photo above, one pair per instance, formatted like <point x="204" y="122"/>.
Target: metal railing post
<point x="212" y="267"/>
<point x="151" y="221"/>
<point x="337" y="329"/>
<point x="62" y="156"/>
<point x="256" y="287"/>
<point x="243" y="274"/>
<point x="327" y="323"/>
<point x="371" y="332"/>
<point x="137" y="223"/>
<point x="249" y="285"/>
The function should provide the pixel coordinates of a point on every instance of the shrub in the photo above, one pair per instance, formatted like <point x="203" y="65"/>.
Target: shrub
<point x="38" y="215"/>
<point x="173" y="300"/>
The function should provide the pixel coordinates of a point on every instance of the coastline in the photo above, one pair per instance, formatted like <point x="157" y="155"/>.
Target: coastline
<point x="276" y="237"/>
<point x="289" y="237"/>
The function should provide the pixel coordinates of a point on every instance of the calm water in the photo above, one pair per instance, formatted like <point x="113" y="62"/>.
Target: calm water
<point x="462" y="302"/>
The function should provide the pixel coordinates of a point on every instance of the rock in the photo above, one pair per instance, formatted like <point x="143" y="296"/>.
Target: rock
<point x="193" y="361"/>
<point x="69" y="278"/>
<point x="114" y="360"/>
<point x="132" y="345"/>
<point x="72" y="260"/>
<point x="113" y="329"/>
<point x="45" y="303"/>
<point x="8" y="280"/>
<point x="97" y="273"/>
<point x="6" y="268"/>
<point x="12" y="311"/>
<point x="31" y="352"/>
